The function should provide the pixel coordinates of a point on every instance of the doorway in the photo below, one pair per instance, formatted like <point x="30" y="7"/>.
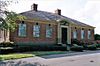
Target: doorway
<point x="64" y="35"/>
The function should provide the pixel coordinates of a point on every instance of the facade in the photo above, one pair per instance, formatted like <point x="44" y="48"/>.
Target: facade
<point x="42" y="27"/>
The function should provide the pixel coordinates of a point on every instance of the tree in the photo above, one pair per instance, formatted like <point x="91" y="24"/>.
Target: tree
<point x="5" y="3"/>
<point x="9" y="23"/>
<point x="97" y="37"/>
<point x="8" y="19"/>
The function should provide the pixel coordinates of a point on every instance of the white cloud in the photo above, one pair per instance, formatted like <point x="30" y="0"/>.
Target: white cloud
<point x="87" y="11"/>
<point x="90" y="14"/>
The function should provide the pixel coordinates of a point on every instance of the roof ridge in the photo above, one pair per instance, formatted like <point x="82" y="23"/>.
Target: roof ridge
<point x="45" y="15"/>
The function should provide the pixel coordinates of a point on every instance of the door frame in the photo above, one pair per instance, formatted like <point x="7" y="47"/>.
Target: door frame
<point x="64" y="38"/>
<point x="59" y="32"/>
<point x="62" y="26"/>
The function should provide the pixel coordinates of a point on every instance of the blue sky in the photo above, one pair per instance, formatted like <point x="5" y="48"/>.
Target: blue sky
<point x="86" y="11"/>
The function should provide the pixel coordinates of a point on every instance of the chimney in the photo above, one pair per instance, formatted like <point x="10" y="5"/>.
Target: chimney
<point x="34" y="7"/>
<point x="58" y="11"/>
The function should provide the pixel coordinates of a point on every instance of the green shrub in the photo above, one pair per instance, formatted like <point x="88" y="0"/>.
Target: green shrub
<point x="38" y="47"/>
<point x="97" y="37"/>
<point x="7" y="44"/>
<point x="74" y="41"/>
<point x="7" y="47"/>
<point x="91" y="47"/>
<point x="77" y="48"/>
<point x="98" y="45"/>
<point x="78" y="42"/>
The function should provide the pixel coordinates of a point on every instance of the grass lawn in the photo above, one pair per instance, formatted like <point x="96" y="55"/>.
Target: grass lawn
<point x="14" y="56"/>
<point x="29" y="54"/>
<point x="42" y="53"/>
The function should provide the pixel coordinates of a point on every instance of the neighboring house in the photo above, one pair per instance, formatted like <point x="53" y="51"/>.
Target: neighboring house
<point x="42" y="27"/>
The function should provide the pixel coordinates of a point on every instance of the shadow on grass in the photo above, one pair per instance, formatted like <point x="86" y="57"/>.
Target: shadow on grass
<point x="20" y="63"/>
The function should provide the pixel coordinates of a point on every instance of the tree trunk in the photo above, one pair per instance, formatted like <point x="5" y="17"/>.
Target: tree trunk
<point x="6" y="35"/>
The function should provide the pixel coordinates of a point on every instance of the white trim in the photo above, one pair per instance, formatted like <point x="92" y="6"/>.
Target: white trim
<point x="64" y="26"/>
<point x="60" y="33"/>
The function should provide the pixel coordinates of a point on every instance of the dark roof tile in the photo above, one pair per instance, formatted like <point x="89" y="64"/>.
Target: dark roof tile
<point x="49" y="16"/>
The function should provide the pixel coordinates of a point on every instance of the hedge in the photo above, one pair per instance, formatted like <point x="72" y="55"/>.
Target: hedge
<point x="13" y="47"/>
<point x="76" y="47"/>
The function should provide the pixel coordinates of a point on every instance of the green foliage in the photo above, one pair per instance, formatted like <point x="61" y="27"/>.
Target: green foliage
<point x="98" y="45"/>
<point x="64" y="22"/>
<point x="21" y="47"/>
<point x="9" y="23"/>
<point x="91" y="47"/>
<point x="97" y="37"/>
<point x="75" y="47"/>
<point x="7" y="44"/>
<point x="7" y="47"/>
<point x="5" y="3"/>
<point x="78" y="42"/>
<point x="2" y="21"/>
<point x="74" y="41"/>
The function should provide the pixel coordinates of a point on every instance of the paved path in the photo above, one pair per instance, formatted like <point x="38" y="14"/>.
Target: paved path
<point x="71" y="53"/>
<point x="80" y="60"/>
<point x="88" y="58"/>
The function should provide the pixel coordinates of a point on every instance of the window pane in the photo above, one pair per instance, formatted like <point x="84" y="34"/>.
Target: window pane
<point x="75" y="34"/>
<point x="22" y="30"/>
<point x="48" y="31"/>
<point x="89" y="34"/>
<point x="36" y="31"/>
<point x="82" y="34"/>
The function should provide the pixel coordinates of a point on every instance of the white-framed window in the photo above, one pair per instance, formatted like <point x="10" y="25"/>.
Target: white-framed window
<point x="75" y="34"/>
<point x="82" y="34"/>
<point x="48" y="31"/>
<point x="36" y="30"/>
<point x="89" y="34"/>
<point x="22" y="30"/>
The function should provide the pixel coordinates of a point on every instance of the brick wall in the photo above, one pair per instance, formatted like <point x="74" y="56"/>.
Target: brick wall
<point x="86" y="34"/>
<point x="29" y="36"/>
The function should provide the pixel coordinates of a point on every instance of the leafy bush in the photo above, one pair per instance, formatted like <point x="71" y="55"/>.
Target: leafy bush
<point x="75" y="47"/>
<point x="6" y="50"/>
<point x="7" y="44"/>
<point x="98" y="45"/>
<point x="74" y="41"/>
<point x="38" y="47"/>
<point x="97" y="37"/>
<point x="6" y="47"/>
<point x="78" y="42"/>
<point x="91" y="47"/>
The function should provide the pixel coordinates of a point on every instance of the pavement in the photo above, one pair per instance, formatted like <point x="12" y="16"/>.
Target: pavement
<point x="87" y="58"/>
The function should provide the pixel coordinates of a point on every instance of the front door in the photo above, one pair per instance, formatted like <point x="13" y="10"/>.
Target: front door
<point x="64" y="35"/>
